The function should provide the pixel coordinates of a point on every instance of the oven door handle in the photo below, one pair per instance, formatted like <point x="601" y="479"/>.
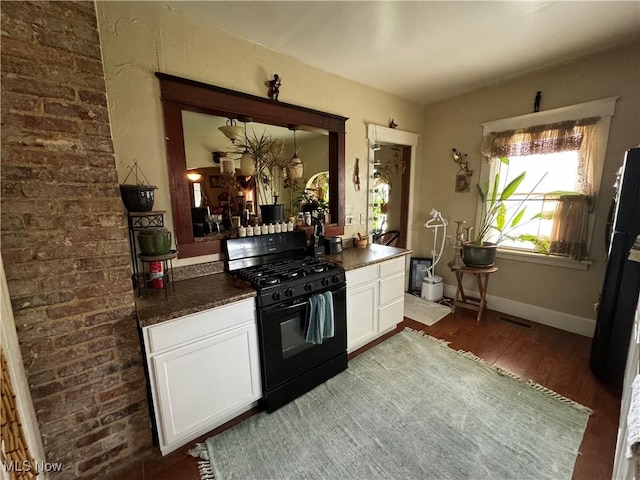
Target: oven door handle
<point x="285" y="307"/>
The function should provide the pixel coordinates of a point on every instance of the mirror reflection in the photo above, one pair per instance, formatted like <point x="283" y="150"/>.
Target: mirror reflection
<point x="244" y="172"/>
<point x="386" y="200"/>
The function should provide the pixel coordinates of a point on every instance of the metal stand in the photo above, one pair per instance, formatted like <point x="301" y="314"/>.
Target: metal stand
<point x="138" y="221"/>
<point x="157" y="273"/>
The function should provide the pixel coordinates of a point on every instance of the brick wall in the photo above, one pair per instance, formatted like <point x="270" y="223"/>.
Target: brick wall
<point x="64" y="240"/>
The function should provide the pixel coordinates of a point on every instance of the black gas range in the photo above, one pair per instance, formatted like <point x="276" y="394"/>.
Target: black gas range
<point x="290" y="285"/>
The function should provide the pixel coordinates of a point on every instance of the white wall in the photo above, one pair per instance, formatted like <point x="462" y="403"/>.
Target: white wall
<point x="140" y="38"/>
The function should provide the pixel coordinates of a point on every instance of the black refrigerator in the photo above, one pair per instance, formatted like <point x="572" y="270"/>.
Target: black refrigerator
<point x="622" y="278"/>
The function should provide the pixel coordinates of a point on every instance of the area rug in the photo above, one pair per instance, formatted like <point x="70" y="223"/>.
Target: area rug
<point x="423" y="311"/>
<point x="409" y="408"/>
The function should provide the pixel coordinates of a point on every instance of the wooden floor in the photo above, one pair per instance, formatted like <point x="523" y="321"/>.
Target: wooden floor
<point x="554" y="358"/>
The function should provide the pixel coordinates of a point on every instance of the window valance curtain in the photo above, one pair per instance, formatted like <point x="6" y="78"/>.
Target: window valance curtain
<point x="570" y="218"/>
<point x="577" y="135"/>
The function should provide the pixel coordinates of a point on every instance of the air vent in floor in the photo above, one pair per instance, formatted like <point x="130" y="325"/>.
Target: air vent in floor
<point x="514" y="321"/>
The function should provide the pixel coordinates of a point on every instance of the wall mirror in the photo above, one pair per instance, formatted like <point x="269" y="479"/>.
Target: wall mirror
<point x="193" y="113"/>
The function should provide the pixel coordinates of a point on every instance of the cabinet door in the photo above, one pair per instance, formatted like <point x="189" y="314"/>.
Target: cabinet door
<point x="391" y="289"/>
<point x="391" y="315"/>
<point x="204" y="381"/>
<point x="362" y="315"/>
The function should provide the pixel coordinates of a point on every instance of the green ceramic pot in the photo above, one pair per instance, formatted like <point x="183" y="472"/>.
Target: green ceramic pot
<point x="154" y="241"/>
<point x="478" y="256"/>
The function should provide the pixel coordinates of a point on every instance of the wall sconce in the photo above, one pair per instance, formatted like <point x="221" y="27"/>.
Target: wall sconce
<point x="463" y="176"/>
<point x="231" y="130"/>
<point x="194" y="176"/>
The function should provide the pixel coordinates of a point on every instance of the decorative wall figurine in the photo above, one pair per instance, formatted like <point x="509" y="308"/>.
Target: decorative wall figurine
<point x="356" y="175"/>
<point x="392" y="123"/>
<point x="274" y="87"/>
<point x="536" y="102"/>
<point x="463" y="176"/>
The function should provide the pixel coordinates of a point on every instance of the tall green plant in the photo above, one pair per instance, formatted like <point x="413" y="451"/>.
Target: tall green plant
<point x="493" y="215"/>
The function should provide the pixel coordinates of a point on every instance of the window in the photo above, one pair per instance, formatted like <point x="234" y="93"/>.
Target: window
<point x="562" y="153"/>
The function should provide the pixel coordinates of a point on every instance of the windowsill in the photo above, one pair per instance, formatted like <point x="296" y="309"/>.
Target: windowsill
<point x="542" y="259"/>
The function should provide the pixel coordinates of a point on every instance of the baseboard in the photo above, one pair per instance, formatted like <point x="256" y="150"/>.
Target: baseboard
<point x="545" y="316"/>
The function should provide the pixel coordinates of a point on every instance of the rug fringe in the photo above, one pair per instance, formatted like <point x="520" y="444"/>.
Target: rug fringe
<point x="506" y="373"/>
<point x="199" y="451"/>
<point x="206" y="471"/>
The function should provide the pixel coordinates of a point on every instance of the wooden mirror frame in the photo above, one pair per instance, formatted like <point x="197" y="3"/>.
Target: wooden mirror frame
<point x="178" y="94"/>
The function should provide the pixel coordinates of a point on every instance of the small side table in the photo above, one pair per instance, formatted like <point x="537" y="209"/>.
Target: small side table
<point x="464" y="301"/>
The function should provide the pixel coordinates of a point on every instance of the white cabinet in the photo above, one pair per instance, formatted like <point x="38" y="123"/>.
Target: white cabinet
<point x="375" y="301"/>
<point x="204" y="370"/>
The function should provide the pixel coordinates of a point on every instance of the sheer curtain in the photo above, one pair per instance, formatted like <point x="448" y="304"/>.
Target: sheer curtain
<point x="570" y="219"/>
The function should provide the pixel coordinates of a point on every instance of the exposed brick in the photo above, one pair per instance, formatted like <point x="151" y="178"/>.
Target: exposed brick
<point x="30" y="333"/>
<point x="64" y="240"/>
<point x="16" y="28"/>
<point x="92" y="382"/>
<point x="40" y="300"/>
<point x="100" y="459"/>
<point x="13" y="67"/>
<point x="18" y="102"/>
<point x="42" y="377"/>
<point x="84" y="335"/>
<point x="97" y="129"/>
<point x="93" y="97"/>
<point x="89" y="65"/>
<point x="75" y="110"/>
<point x="18" y="255"/>
<point x="34" y="123"/>
<point x="12" y="222"/>
<point x="41" y="88"/>
<point x="122" y="413"/>
<point x="93" y="437"/>
<point x="93" y="361"/>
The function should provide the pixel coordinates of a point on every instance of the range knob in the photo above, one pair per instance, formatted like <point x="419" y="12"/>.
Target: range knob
<point x="289" y="292"/>
<point x="335" y="278"/>
<point x="276" y="295"/>
<point x="325" y="282"/>
<point x="308" y="287"/>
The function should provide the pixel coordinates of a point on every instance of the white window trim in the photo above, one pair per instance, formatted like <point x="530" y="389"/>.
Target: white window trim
<point x="603" y="108"/>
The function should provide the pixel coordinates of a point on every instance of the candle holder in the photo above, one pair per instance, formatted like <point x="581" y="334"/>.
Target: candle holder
<point x="457" y="262"/>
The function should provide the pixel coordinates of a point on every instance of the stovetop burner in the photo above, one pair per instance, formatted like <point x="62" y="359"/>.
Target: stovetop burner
<point x="283" y="271"/>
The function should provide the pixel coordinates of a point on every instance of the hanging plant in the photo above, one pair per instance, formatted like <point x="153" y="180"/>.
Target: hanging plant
<point x="138" y="196"/>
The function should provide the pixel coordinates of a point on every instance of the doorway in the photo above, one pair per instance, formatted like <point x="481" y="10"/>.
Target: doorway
<point x="392" y="156"/>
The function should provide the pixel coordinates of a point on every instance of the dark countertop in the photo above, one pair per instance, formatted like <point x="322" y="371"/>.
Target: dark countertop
<point x="192" y="295"/>
<point x="351" y="258"/>
<point x="197" y="294"/>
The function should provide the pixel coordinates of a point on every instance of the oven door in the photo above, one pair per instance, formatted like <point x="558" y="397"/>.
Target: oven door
<point x="285" y="352"/>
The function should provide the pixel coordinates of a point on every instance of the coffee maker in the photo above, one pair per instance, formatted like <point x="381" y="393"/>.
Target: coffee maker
<point x="316" y="243"/>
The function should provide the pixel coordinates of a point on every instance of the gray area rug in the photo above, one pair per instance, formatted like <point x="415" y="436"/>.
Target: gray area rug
<point x="420" y="310"/>
<point x="409" y="408"/>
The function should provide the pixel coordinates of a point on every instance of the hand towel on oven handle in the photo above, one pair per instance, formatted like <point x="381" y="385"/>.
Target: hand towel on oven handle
<point x="321" y="323"/>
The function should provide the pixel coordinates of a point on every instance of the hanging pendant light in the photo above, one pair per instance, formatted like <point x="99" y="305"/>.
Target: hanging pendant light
<point x="231" y="130"/>
<point x="295" y="166"/>
<point x="247" y="162"/>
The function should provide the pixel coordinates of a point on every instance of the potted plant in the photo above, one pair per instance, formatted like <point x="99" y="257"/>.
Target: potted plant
<point x="138" y="196"/>
<point x="495" y="220"/>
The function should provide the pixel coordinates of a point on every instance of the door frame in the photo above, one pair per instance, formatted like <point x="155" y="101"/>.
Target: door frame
<point x="408" y="143"/>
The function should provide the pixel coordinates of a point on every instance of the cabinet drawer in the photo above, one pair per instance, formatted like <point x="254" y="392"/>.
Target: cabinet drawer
<point x="194" y="327"/>
<point x="391" y="288"/>
<point x="363" y="275"/>
<point x="391" y="315"/>
<point x="391" y="267"/>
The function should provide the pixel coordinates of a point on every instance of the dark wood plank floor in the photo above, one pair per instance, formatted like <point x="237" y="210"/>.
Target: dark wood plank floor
<point x="553" y="358"/>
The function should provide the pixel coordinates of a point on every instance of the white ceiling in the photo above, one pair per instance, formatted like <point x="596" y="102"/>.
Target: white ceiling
<point x="425" y="51"/>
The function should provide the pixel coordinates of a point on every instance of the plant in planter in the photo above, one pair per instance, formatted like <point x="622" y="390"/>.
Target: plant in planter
<point x="496" y="223"/>
<point x="270" y="172"/>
